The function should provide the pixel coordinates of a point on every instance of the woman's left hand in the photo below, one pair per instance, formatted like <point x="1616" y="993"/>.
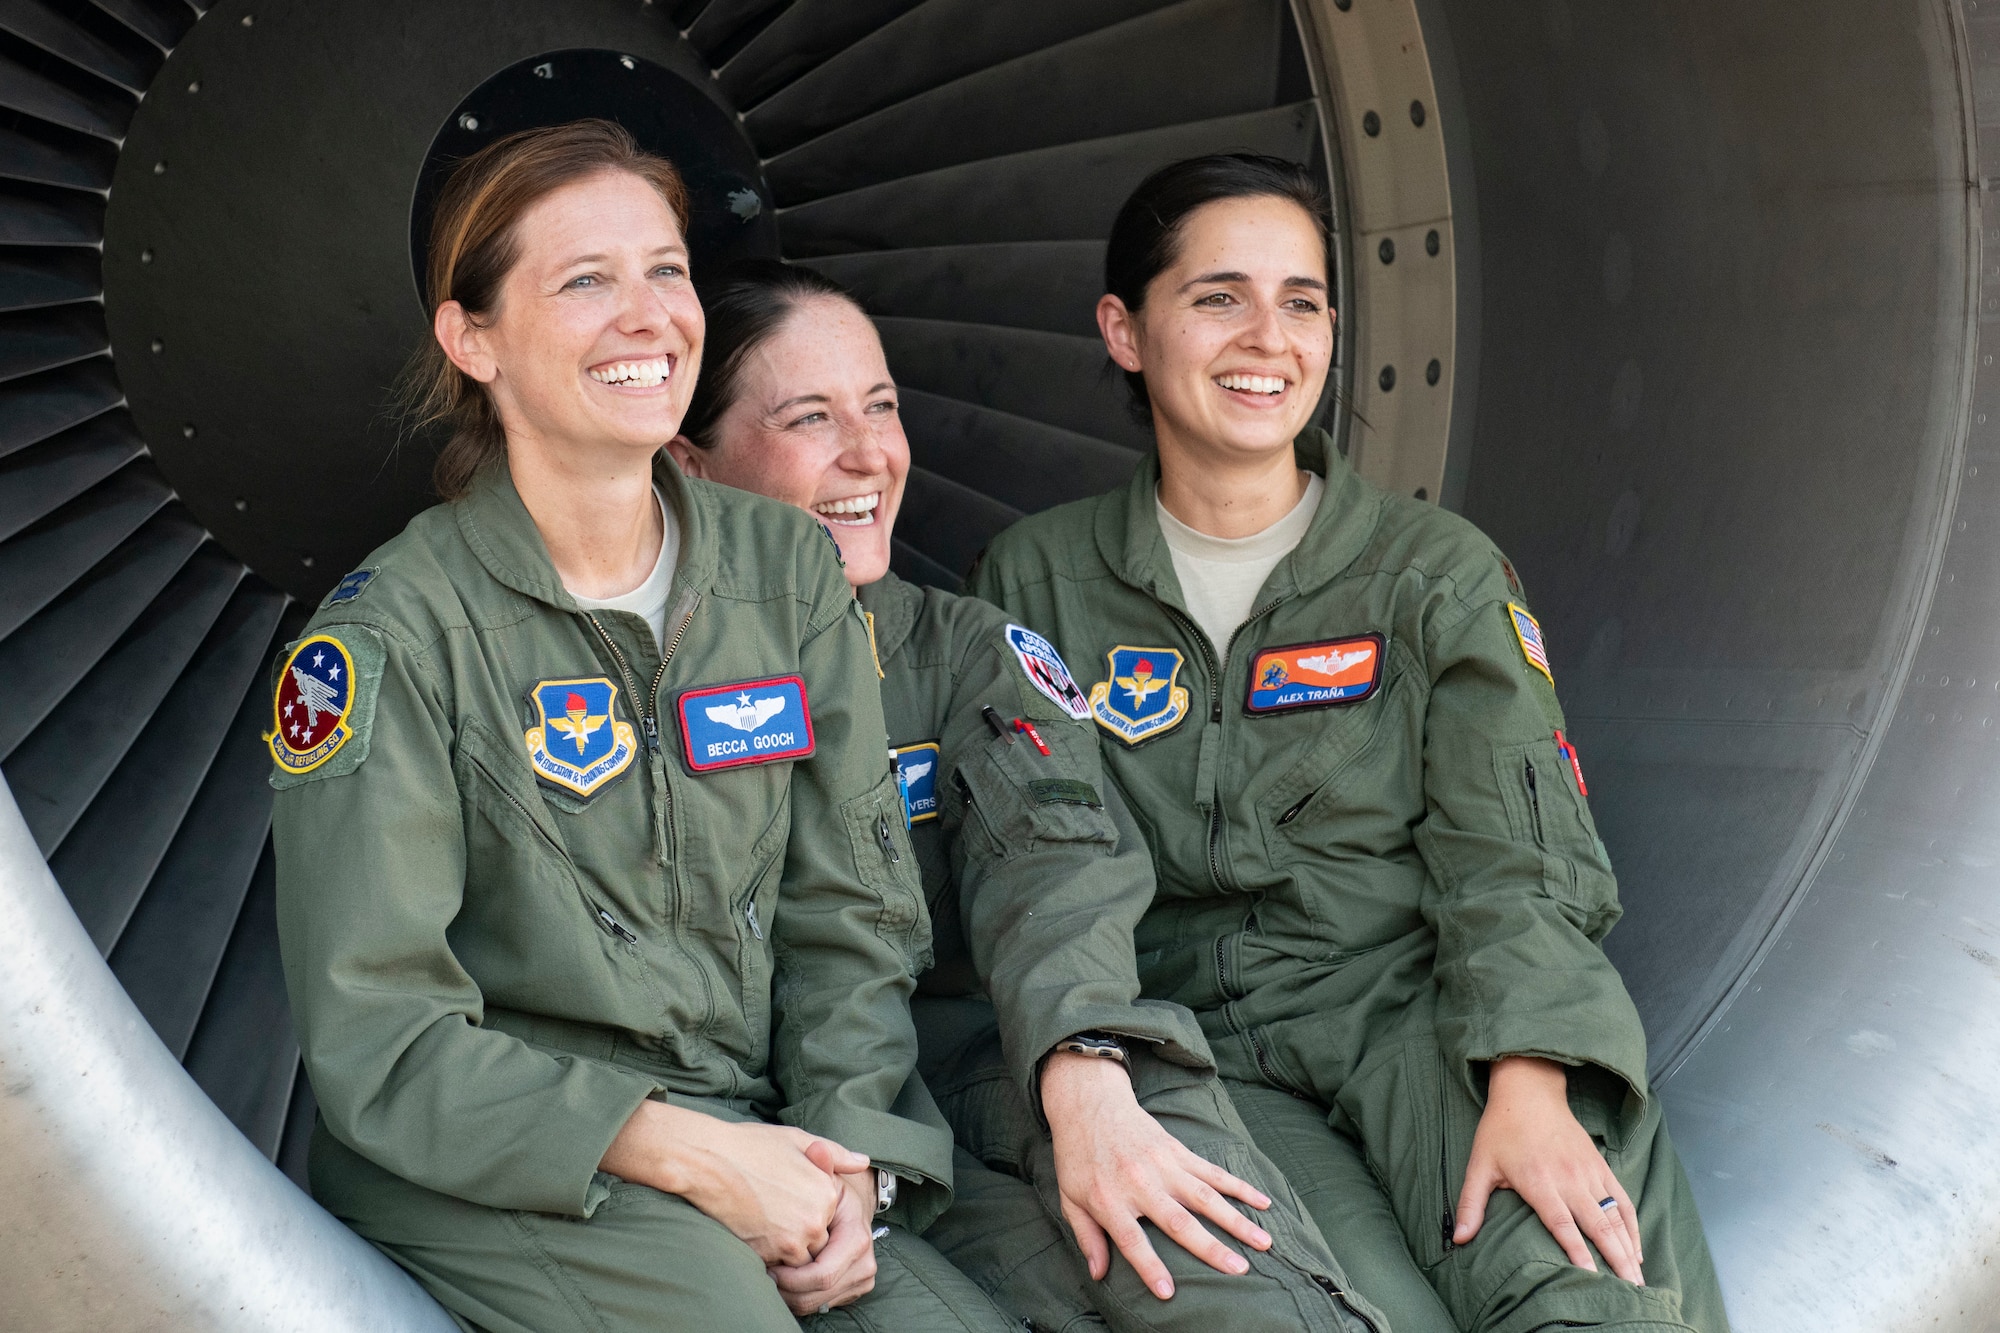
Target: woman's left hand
<point x="1529" y="1142"/>
<point x="844" y="1269"/>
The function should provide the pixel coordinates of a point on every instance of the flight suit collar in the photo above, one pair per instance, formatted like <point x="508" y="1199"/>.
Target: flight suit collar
<point x="502" y="534"/>
<point x="1129" y="538"/>
<point x="893" y="607"/>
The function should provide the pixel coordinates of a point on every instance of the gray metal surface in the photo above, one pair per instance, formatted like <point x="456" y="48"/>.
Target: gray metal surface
<point x="132" y="1204"/>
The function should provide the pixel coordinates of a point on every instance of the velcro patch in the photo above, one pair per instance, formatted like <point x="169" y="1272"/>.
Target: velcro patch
<point x="315" y="697"/>
<point x="1046" y="671"/>
<point x="745" y="722"/>
<point x="578" y="743"/>
<point x="917" y="775"/>
<point x="1064" y="791"/>
<point x="1144" y="697"/>
<point x="1315" y="675"/>
<point x="1528" y="631"/>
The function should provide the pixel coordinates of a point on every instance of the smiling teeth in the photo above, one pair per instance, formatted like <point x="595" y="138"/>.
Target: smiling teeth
<point x="1252" y="383"/>
<point x="637" y="374"/>
<point x="860" y="507"/>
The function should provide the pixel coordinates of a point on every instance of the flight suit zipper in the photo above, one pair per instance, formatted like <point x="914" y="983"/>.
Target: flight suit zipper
<point x="1200" y="639"/>
<point x="1534" y="798"/>
<point x="604" y="917"/>
<point x="649" y="718"/>
<point x="1334" y="1293"/>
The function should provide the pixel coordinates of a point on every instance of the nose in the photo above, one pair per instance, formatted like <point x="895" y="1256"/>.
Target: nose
<point x="1265" y="332"/>
<point x="862" y="450"/>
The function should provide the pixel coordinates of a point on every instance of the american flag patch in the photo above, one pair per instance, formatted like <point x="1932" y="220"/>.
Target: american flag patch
<point x="1533" y="647"/>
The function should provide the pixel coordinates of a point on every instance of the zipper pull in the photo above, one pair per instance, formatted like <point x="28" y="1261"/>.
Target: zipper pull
<point x="750" y="914"/>
<point x="1293" y="813"/>
<point x="882" y="832"/>
<point x="650" y="724"/>
<point x="611" y="923"/>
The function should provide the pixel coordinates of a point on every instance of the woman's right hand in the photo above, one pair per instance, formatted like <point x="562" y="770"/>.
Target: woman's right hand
<point x="776" y="1188"/>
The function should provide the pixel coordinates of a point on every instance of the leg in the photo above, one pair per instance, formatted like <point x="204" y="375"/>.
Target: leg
<point x="1296" y="1284"/>
<point x="644" y="1262"/>
<point x="1343" y="1197"/>
<point x="916" y="1291"/>
<point x="1417" y="1121"/>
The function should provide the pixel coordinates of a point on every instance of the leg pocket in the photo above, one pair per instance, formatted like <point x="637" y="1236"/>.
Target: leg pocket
<point x="1415" y="1123"/>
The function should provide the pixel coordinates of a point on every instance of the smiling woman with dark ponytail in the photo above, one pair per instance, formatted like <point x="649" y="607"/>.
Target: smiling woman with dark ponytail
<point x="1380" y="886"/>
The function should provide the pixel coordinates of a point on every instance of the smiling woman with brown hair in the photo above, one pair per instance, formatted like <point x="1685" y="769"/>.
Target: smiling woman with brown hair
<point x="598" y="919"/>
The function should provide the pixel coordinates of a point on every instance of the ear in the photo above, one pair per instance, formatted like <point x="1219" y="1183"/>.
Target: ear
<point x="464" y="342"/>
<point x="687" y="456"/>
<point x="1120" y="328"/>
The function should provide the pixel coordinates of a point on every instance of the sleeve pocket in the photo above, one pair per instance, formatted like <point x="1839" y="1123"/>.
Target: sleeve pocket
<point x="1024" y="800"/>
<point x="887" y="864"/>
<point x="1544" y="809"/>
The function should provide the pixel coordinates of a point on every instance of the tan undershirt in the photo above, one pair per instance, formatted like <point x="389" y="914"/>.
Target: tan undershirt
<point x="1221" y="576"/>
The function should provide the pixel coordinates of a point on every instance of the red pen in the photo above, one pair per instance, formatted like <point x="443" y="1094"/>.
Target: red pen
<point x="1025" y="728"/>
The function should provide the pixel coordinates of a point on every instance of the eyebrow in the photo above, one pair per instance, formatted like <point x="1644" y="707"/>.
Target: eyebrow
<point x="676" y="249"/>
<point x="1232" y="276"/>
<point x="822" y="398"/>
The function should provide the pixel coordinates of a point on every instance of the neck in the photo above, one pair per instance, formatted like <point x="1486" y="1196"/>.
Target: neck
<point x="1227" y="497"/>
<point x="595" y="511"/>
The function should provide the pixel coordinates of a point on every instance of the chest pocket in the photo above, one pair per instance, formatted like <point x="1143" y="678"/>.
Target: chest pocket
<point x="1020" y="799"/>
<point x="1345" y="773"/>
<point x="887" y="864"/>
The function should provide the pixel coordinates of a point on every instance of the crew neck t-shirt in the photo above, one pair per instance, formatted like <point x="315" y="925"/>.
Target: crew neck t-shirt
<point x="649" y="599"/>
<point x="1221" y="576"/>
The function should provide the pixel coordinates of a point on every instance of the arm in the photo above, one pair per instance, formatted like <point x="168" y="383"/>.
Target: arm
<point x="371" y="873"/>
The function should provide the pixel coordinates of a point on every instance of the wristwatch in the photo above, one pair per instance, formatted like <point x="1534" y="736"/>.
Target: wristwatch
<point x="885" y="1191"/>
<point x="1099" y="1045"/>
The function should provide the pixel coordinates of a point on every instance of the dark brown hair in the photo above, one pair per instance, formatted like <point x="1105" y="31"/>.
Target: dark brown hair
<point x="744" y="308"/>
<point x="474" y="246"/>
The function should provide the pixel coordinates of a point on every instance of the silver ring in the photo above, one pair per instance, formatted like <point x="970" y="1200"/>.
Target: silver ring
<point x="1606" y="1204"/>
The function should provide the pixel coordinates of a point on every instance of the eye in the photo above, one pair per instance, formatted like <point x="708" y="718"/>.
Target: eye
<point x="1305" y="305"/>
<point x="810" y="419"/>
<point x="582" y="281"/>
<point x="669" y="271"/>
<point x="1216" y="300"/>
<point x="885" y="407"/>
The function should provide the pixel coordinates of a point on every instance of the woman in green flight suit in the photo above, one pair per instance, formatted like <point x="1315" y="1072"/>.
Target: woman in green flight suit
<point x="1035" y="880"/>
<point x="1380" y="888"/>
<point x="597" y="914"/>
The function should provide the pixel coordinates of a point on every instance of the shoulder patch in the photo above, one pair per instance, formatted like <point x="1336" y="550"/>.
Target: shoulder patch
<point x="917" y="775"/>
<point x="1528" y="631"/>
<point x="1046" y="672"/>
<point x="1315" y="675"/>
<point x="350" y="587"/>
<point x="1143" y="697"/>
<point x="577" y="742"/>
<point x="834" y="542"/>
<point x="745" y="722"/>
<point x="324" y="705"/>
<point x="1507" y="572"/>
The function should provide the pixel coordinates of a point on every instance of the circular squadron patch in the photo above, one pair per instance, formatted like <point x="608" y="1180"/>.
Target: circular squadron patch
<point x="315" y="697"/>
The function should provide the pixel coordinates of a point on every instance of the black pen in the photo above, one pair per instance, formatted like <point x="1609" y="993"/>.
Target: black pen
<point x="993" y="721"/>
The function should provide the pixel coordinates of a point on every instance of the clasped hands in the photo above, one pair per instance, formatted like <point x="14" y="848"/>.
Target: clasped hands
<point x="804" y="1204"/>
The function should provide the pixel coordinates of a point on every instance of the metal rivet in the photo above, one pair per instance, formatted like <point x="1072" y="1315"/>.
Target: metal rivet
<point x="160" y="168"/>
<point x="194" y="85"/>
<point x="545" y="70"/>
<point x="242" y="505"/>
<point x="145" y="256"/>
<point x="1432" y="244"/>
<point x="1423" y="494"/>
<point x="158" y="346"/>
<point x="1417" y="114"/>
<point x="1343" y="5"/>
<point x="1387" y="379"/>
<point x="307" y="561"/>
<point x="628" y="62"/>
<point x="249" y="20"/>
<point x="1387" y="250"/>
<point x="1434" y="371"/>
<point x="1371" y="124"/>
<point x="468" y="121"/>
<point x="187" y="431"/>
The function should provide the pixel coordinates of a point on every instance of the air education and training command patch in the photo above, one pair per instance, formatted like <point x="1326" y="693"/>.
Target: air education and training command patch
<point x="917" y="775"/>
<point x="314" y="700"/>
<point x="1315" y="675"/>
<point x="1533" y="646"/>
<point x="1144" y="697"/>
<point x="1046" y="671"/>
<point x="580" y="744"/>
<point x="746" y="722"/>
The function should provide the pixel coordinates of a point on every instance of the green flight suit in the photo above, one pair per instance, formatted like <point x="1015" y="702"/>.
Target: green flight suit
<point x="1377" y="872"/>
<point x="1035" y="879"/>
<point x="495" y="952"/>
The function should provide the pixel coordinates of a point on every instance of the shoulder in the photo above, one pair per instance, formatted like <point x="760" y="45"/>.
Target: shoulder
<point x="766" y="550"/>
<point x="413" y="588"/>
<point x="1038" y="547"/>
<point x="1440" y="548"/>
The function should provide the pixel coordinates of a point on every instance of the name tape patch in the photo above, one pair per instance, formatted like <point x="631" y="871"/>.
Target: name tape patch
<point x="917" y="775"/>
<point x="1315" y="675"/>
<point x="578" y="743"/>
<point x="1046" y="671"/>
<point x="1533" y="646"/>
<point x="745" y="722"/>
<point x="1144" y="697"/>
<point x="315" y="697"/>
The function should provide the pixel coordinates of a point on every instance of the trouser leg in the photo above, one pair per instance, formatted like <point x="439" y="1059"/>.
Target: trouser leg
<point x="1345" y="1201"/>
<point x="1295" y="1285"/>
<point x="917" y="1290"/>
<point x="1416" y="1121"/>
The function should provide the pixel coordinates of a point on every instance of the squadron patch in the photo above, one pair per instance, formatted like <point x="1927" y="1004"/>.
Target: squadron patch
<point x="1533" y="646"/>
<point x="745" y="722"/>
<point x="1144" y="697"/>
<point x="350" y="587"/>
<point x="917" y="775"/>
<point x="1315" y="675"/>
<point x="1046" y="672"/>
<point x="579" y="744"/>
<point x="313" y="705"/>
